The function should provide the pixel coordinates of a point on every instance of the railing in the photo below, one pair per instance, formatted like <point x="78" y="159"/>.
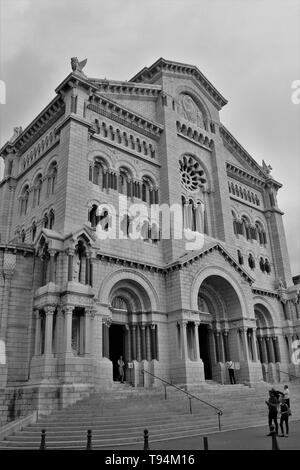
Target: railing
<point x="189" y="395"/>
<point x="296" y="377"/>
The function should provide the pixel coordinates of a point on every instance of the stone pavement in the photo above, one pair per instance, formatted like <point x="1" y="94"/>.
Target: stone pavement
<point x="254" y="438"/>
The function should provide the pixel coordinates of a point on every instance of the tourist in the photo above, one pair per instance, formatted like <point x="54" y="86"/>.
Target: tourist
<point x="121" y="365"/>
<point x="273" y="403"/>
<point x="230" y="366"/>
<point x="286" y="394"/>
<point x="284" y="417"/>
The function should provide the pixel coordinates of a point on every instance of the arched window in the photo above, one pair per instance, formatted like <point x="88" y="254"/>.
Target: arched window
<point x="125" y="180"/>
<point x="51" y="219"/>
<point x="23" y="236"/>
<point x="235" y="228"/>
<point x="262" y="264"/>
<point x="93" y="218"/>
<point x="37" y="190"/>
<point x="240" y="257"/>
<point x="267" y="266"/>
<point x="45" y="221"/>
<point x="104" y="220"/>
<point x="33" y="230"/>
<point x="148" y="191"/>
<point x="262" y="237"/>
<point x="52" y="178"/>
<point x="246" y="227"/>
<point x="24" y="200"/>
<point x="251" y="261"/>
<point x="99" y="174"/>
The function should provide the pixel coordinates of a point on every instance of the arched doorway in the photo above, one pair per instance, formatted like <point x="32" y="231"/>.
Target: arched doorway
<point x="132" y="334"/>
<point x="218" y="304"/>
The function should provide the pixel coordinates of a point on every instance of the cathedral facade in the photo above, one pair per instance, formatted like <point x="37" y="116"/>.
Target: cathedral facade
<point x="133" y="223"/>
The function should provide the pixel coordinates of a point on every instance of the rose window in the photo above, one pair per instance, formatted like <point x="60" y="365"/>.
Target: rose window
<point x="192" y="177"/>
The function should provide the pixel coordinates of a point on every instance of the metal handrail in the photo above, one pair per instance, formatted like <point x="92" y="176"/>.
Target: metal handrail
<point x="190" y="395"/>
<point x="290" y="375"/>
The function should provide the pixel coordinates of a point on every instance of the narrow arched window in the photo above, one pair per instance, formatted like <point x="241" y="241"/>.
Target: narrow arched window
<point x="45" y="221"/>
<point x="93" y="216"/>
<point x="33" y="230"/>
<point x="51" y="219"/>
<point x="251" y="261"/>
<point x="37" y="190"/>
<point x="24" y="200"/>
<point x="23" y="236"/>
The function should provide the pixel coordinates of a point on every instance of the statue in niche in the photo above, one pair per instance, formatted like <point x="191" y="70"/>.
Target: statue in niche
<point x="76" y="267"/>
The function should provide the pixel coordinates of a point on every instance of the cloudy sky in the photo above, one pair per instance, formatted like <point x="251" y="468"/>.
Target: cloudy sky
<point x="250" y="50"/>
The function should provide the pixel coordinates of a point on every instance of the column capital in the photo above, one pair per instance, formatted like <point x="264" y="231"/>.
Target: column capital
<point x="197" y="323"/>
<point x="52" y="251"/>
<point x="152" y="326"/>
<point x="68" y="309"/>
<point x="70" y="251"/>
<point x="107" y="321"/>
<point x="36" y="313"/>
<point x="142" y="326"/>
<point x="50" y="309"/>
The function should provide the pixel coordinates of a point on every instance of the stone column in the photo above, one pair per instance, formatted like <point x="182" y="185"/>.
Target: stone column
<point x="245" y="343"/>
<point x="143" y="342"/>
<point x="216" y="340"/>
<point x="83" y="261"/>
<point x="37" y="343"/>
<point x="133" y="342"/>
<point x="153" y="342"/>
<point x="226" y="345"/>
<point x="138" y="344"/>
<point x="68" y="312"/>
<point x="128" y="343"/>
<point x="148" y="342"/>
<point x="184" y="347"/>
<point x="276" y="349"/>
<point x="250" y="344"/>
<point x="87" y="335"/>
<point x="52" y="264"/>
<point x="49" y="312"/>
<point x="261" y="350"/>
<point x="88" y="269"/>
<point x="59" y="331"/>
<point x="270" y="351"/>
<point x="253" y="337"/>
<point x="91" y="271"/>
<point x="220" y="344"/>
<point x="197" y="344"/>
<point x="70" y="264"/>
<point x="265" y="350"/>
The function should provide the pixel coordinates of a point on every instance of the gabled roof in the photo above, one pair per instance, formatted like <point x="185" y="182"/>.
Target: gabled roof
<point x="189" y="258"/>
<point x="147" y="73"/>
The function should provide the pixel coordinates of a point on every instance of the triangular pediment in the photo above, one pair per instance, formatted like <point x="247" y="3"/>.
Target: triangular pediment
<point x="194" y="256"/>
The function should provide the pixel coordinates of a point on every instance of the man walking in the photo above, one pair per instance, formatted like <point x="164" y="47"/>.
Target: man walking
<point x="273" y="403"/>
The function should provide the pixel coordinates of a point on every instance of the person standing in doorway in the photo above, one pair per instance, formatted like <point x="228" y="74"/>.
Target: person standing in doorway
<point x="121" y="365"/>
<point x="230" y="366"/>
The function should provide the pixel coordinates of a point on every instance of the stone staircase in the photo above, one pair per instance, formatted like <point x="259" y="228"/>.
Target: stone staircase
<point x="119" y="416"/>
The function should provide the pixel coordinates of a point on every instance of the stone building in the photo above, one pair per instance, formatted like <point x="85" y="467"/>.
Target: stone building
<point x="77" y="290"/>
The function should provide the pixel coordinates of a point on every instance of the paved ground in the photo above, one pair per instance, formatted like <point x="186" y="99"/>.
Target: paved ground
<point x="245" y="439"/>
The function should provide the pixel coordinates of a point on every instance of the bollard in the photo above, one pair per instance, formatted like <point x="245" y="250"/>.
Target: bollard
<point x="205" y="443"/>
<point x="146" y="440"/>
<point x="89" y="440"/>
<point x="275" y="445"/>
<point x="43" y="440"/>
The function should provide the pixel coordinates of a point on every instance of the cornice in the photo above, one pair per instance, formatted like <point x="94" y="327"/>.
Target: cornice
<point x="37" y="127"/>
<point x="244" y="176"/>
<point x="265" y="292"/>
<point x="126" y="88"/>
<point x="163" y="65"/>
<point x="241" y="152"/>
<point x="109" y="108"/>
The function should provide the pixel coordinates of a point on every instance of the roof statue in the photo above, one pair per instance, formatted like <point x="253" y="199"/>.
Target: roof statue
<point x="17" y="132"/>
<point x="78" y="66"/>
<point x="266" y="168"/>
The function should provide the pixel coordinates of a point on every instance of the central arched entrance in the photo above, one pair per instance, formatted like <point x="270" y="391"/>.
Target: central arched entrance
<point x="132" y="333"/>
<point x="218" y="304"/>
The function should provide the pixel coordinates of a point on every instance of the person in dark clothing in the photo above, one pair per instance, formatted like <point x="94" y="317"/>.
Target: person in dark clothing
<point x="284" y="417"/>
<point x="273" y="403"/>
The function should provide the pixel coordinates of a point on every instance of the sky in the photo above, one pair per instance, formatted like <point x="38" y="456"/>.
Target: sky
<point x="249" y="50"/>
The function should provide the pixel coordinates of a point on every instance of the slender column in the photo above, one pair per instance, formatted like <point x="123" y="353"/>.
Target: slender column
<point x="52" y="262"/>
<point x="49" y="311"/>
<point x="226" y="345"/>
<point x="59" y="330"/>
<point x="87" y="269"/>
<point x="245" y="343"/>
<point x="37" y="343"/>
<point x="184" y="339"/>
<point x="153" y="342"/>
<point x="133" y="342"/>
<point x="221" y="352"/>
<point x="108" y="323"/>
<point x="138" y="344"/>
<point x="261" y="350"/>
<point x="265" y="350"/>
<point x="103" y="339"/>
<point x="197" y="344"/>
<point x="128" y="342"/>
<point x="148" y="343"/>
<point x="216" y="338"/>
<point x="250" y="345"/>
<point x="82" y="269"/>
<point x="68" y="310"/>
<point x="70" y="264"/>
<point x="253" y="338"/>
<point x="276" y="349"/>
<point x="87" y="322"/>
<point x="91" y="271"/>
<point x="143" y="341"/>
<point x="267" y="341"/>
